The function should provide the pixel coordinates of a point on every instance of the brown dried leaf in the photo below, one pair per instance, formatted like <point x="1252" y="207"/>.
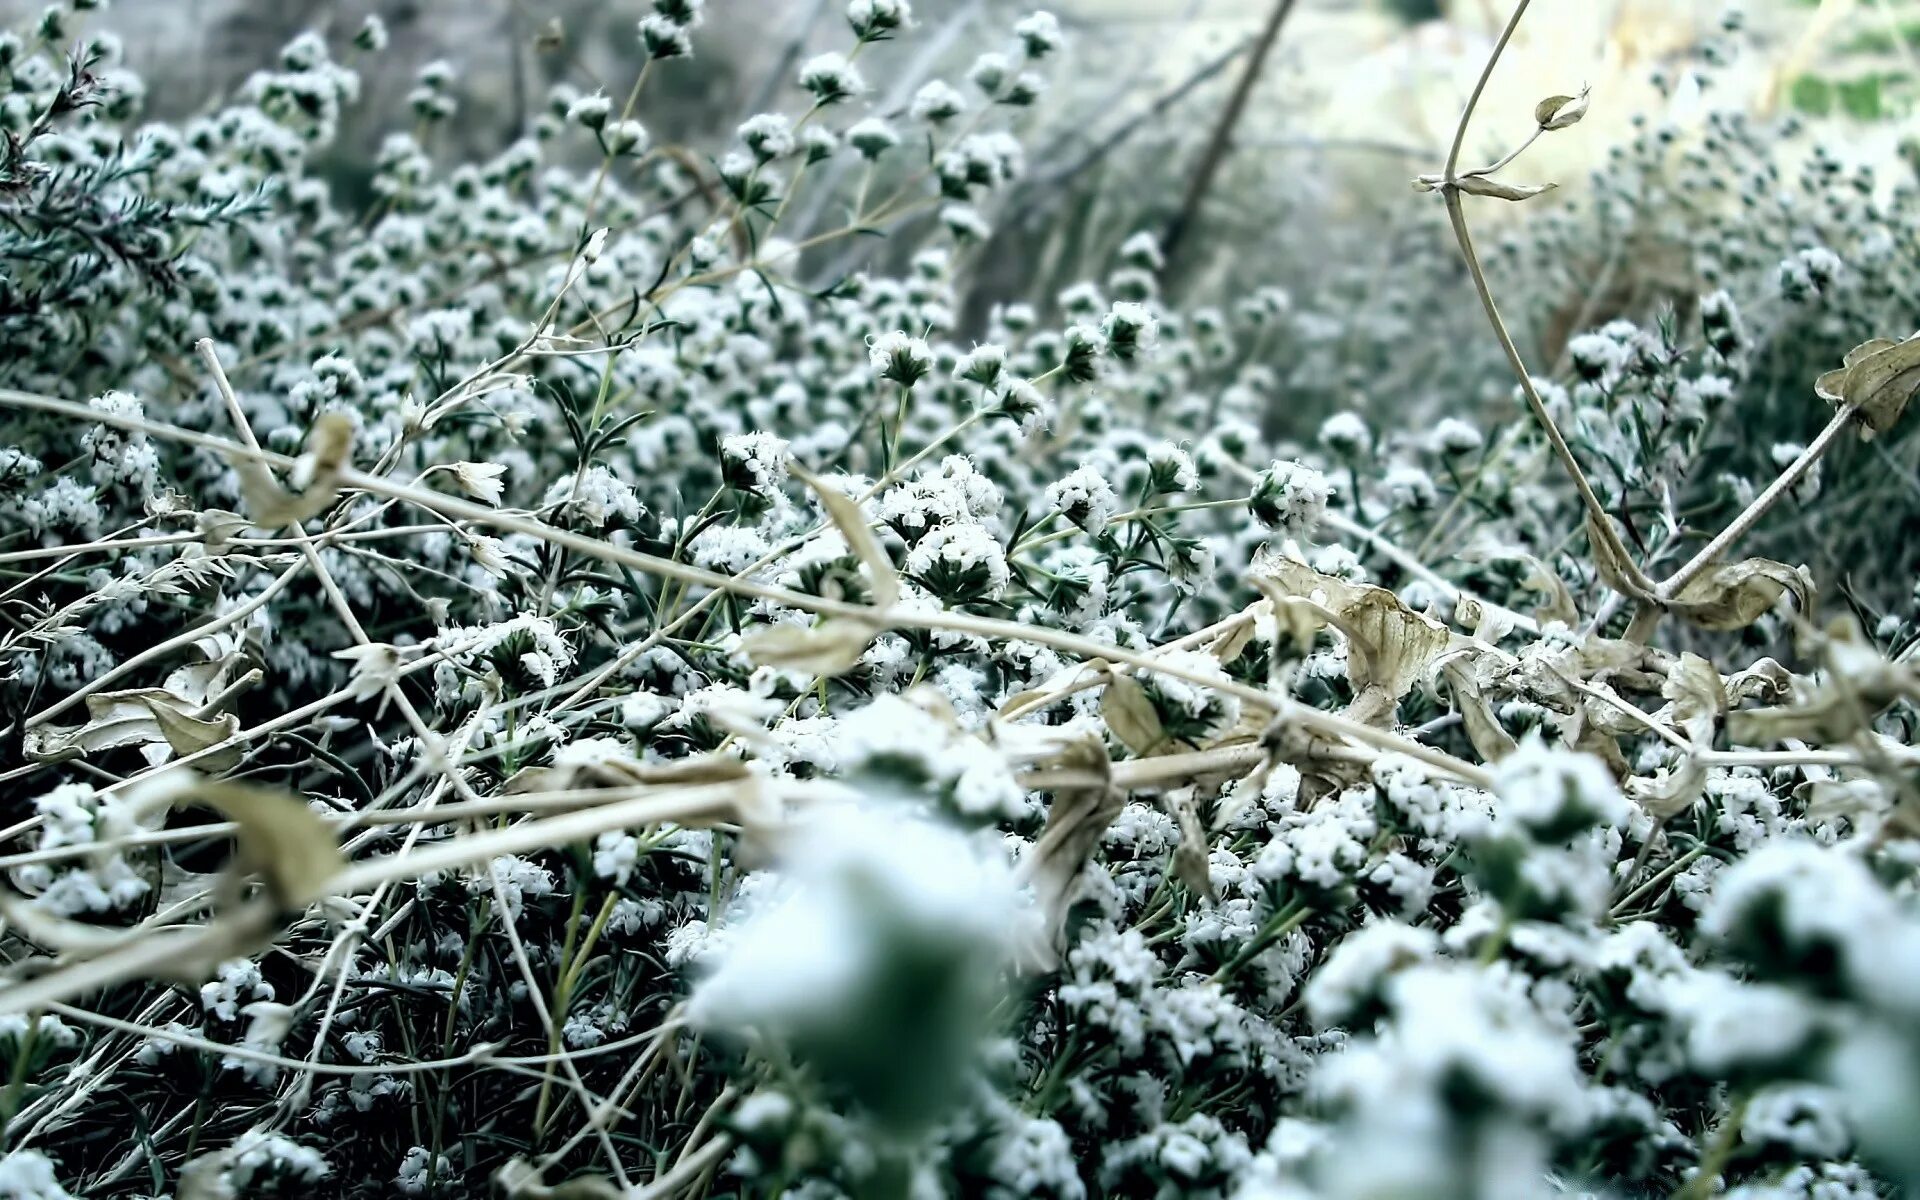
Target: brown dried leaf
<point x="1735" y="595"/>
<point x="833" y="647"/>
<point x="1878" y="380"/>
<point x="73" y="938"/>
<point x="1190" y="856"/>
<point x="1615" y="570"/>
<point x="1698" y="696"/>
<point x="1561" y="112"/>
<point x="1860" y="684"/>
<point x="154" y="719"/>
<point x="280" y="838"/>
<point x="1057" y="686"/>
<point x="1765" y="681"/>
<point x="1229" y="647"/>
<point x="1076" y="820"/>
<point x="1125" y="708"/>
<point x="1484" y="730"/>
<point x="271" y="506"/>
<point x="1697" y="700"/>
<point x="846" y="516"/>
<point x="1389" y="646"/>
<point x="1481" y="185"/>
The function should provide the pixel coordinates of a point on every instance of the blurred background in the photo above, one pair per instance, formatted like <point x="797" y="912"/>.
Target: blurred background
<point x="1270" y="145"/>
<point x="1351" y="98"/>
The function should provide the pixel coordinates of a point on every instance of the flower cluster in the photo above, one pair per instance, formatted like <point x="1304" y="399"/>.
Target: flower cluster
<point x="577" y="675"/>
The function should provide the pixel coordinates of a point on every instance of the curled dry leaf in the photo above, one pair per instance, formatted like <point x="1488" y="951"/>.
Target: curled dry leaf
<point x="1490" y="739"/>
<point x="1055" y="687"/>
<point x="279" y="838"/>
<point x="1561" y="112"/>
<point x="1228" y="646"/>
<point x="1765" y="681"/>
<point x="522" y="1180"/>
<point x="1878" y="379"/>
<point x="56" y="933"/>
<point x="1127" y="710"/>
<point x="1484" y="622"/>
<point x="1735" y="595"/>
<point x="185" y="956"/>
<point x="271" y="506"/>
<point x="1615" y="569"/>
<point x="1301" y="620"/>
<point x="1389" y="646"/>
<point x="158" y="721"/>
<point x="832" y="647"/>
<point x="1697" y="700"/>
<point x="1481" y="185"/>
<point x="627" y="773"/>
<point x="1190" y="856"/>
<point x="1541" y="579"/>
<point x="846" y="516"/>
<point x="1076" y="819"/>
<point x="1859" y="684"/>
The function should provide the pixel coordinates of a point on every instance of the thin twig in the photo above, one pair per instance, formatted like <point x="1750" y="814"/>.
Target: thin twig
<point x="1456" y="215"/>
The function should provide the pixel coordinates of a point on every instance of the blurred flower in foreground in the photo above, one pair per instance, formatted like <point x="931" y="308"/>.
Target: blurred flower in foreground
<point x="877" y="961"/>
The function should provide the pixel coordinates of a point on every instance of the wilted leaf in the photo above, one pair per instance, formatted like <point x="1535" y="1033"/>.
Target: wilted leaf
<point x="1299" y="619"/>
<point x="1229" y="647"/>
<point x="271" y="506"/>
<point x="1190" y="856"/>
<point x="1389" y="646"/>
<point x="280" y="838"/>
<point x="187" y="956"/>
<point x="1735" y="595"/>
<point x="1125" y="708"/>
<point x="1076" y="820"/>
<point x="155" y="719"/>
<point x="1697" y="700"/>
<point x="1490" y="739"/>
<point x="1560" y="112"/>
<point x="1615" y="570"/>
<point x="1481" y="185"/>
<point x="1860" y="683"/>
<point x="76" y="938"/>
<point x="1540" y="579"/>
<point x="852" y="524"/>
<point x="1765" y="681"/>
<point x="830" y="648"/>
<point x="1670" y="790"/>
<point x="627" y="772"/>
<point x="522" y="1180"/>
<point x="1057" y="686"/>
<point x="1878" y="380"/>
<point x="188" y="734"/>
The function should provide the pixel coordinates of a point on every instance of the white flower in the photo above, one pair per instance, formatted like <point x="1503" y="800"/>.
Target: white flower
<point x="1290" y="498"/>
<point x="1345" y="434"/>
<point x="1039" y="34"/>
<point x="28" y="1175"/>
<point x="960" y="563"/>
<point x="831" y="78"/>
<point x="900" y="357"/>
<point x="1085" y="498"/>
<point x="482" y="481"/>
<point x="754" y="461"/>
<point x="936" y="103"/>
<point x="872" y="137"/>
<point x="1453" y="438"/>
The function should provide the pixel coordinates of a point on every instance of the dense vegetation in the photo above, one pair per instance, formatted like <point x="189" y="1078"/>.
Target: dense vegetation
<point x="552" y="683"/>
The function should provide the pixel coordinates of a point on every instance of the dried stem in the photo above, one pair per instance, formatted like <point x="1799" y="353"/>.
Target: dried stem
<point x="1738" y="527"/>
<point x="1456" y="215"/>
